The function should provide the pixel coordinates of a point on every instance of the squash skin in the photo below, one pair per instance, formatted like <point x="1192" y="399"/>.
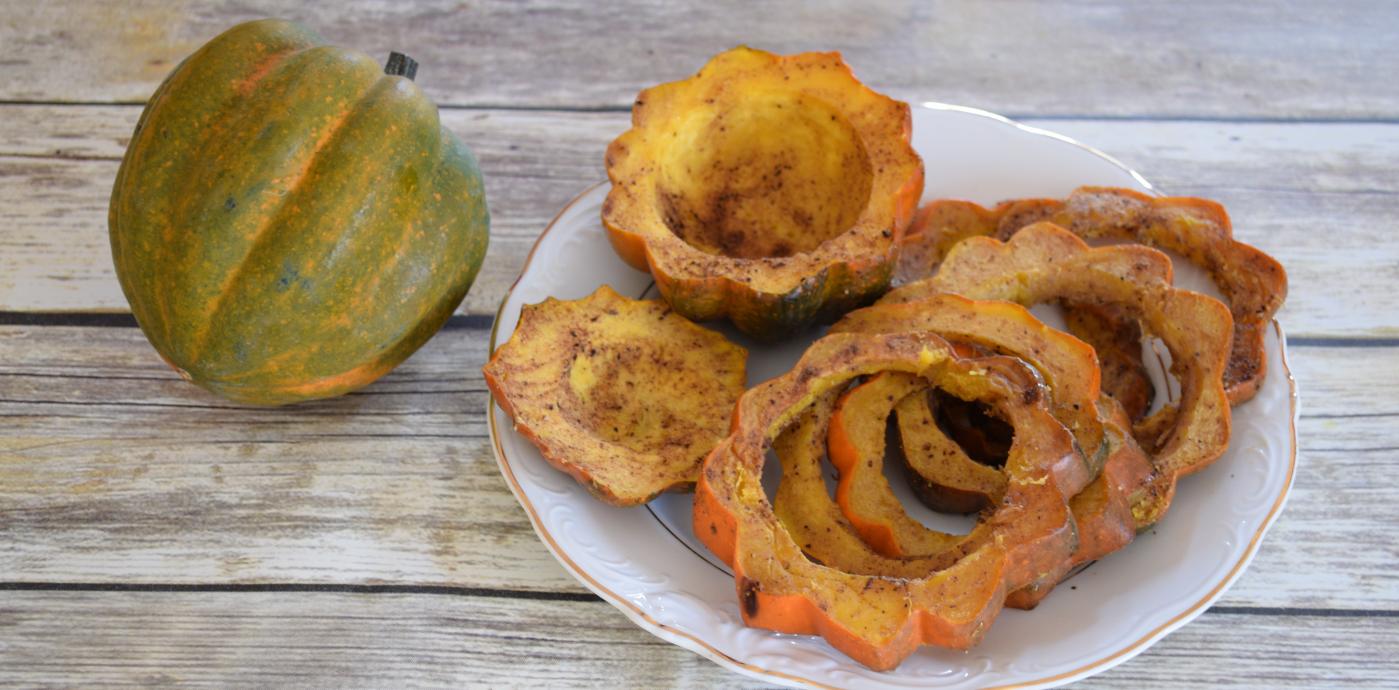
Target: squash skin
<point x="289" y="223"/>
<point x="767" y="297"/>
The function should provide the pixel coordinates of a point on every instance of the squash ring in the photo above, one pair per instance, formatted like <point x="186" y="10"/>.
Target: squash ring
<point x="769" y="190"/>
<point x="941" y="473"/>
<point x="816" y="521"/>
<point x="1044" y="262"/>
<point x="878" y="621"/>
<point x="624" y="395"/>
<point x="1253" y="283"/>
<point x="1068" y="366"/>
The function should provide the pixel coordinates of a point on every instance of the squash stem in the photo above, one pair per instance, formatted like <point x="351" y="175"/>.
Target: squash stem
<point x="401" y="65"/>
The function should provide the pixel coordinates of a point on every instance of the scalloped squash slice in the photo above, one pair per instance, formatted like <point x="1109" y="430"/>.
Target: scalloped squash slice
<point x="766" y="189"/>
<point x="624" y="395"/>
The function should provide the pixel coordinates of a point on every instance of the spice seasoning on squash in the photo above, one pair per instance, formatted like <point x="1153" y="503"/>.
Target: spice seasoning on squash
<point x="624" y="395"/>
<point x="289" y="222"/>
<point x="879" y="621"/>
<point x="768" y="190"/>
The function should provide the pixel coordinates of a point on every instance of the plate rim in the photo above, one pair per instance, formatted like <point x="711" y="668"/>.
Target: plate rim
<point x="695" y="644"/>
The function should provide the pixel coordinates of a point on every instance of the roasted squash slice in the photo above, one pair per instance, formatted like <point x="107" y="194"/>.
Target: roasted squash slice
<point x="879" y="621"/>
<point x="1117" y="338"/>
<point x="1253" y="283"/>
<point x="855" y="442"/>
<point x="941" y="472"/>
<point x="1068" y="365"/>
<point x="814" y="519"/>
<point x="1103" y="510"/>
<point x="1044" y="262"/>
<point x="769" y="190"/>
<point x="624" y="395"/>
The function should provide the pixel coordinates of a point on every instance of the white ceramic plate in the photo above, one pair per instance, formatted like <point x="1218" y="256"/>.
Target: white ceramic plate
<point x="647" y="563"/>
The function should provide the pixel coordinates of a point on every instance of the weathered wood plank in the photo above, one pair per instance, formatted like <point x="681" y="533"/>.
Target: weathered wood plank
<point x="1265" y="59"/>
<point x="57" y="639"/>
<point x="114" y="470"/>
<point x="1321" y="197"/>
<point x="246" y="639"/>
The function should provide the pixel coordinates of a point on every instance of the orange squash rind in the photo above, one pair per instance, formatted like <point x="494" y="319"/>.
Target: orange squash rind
<point x="624" y="395"/>
<point x="877" y="621"/>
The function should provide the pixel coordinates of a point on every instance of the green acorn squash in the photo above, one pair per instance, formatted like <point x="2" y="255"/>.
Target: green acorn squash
<point x="289" y="221"/>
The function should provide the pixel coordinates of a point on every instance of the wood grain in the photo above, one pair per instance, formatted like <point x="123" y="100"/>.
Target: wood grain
<point x="333" y="640"/>
<point x="1272" y="59"/>
<point x="1287" y="194"/>
<point x="116" y="470"/>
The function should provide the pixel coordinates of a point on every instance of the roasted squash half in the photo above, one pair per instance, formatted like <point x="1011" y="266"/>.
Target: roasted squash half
<point x="624" y="395"/>
<point x="769" y="190"/>
<point x="879" y="621"/>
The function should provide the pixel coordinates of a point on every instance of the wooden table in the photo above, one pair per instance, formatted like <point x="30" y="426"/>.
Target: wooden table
<point x="151" y="534"/>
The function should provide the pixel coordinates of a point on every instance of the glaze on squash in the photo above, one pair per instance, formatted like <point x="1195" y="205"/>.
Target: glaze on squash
<point x="769" y="190"/>
<point x="624" y="395"/>
<point x="289" y="222"/>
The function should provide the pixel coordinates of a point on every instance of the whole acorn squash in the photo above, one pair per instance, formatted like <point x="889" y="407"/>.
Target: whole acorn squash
<point x="769" y="190"/>
<point x="290" y="222"/>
